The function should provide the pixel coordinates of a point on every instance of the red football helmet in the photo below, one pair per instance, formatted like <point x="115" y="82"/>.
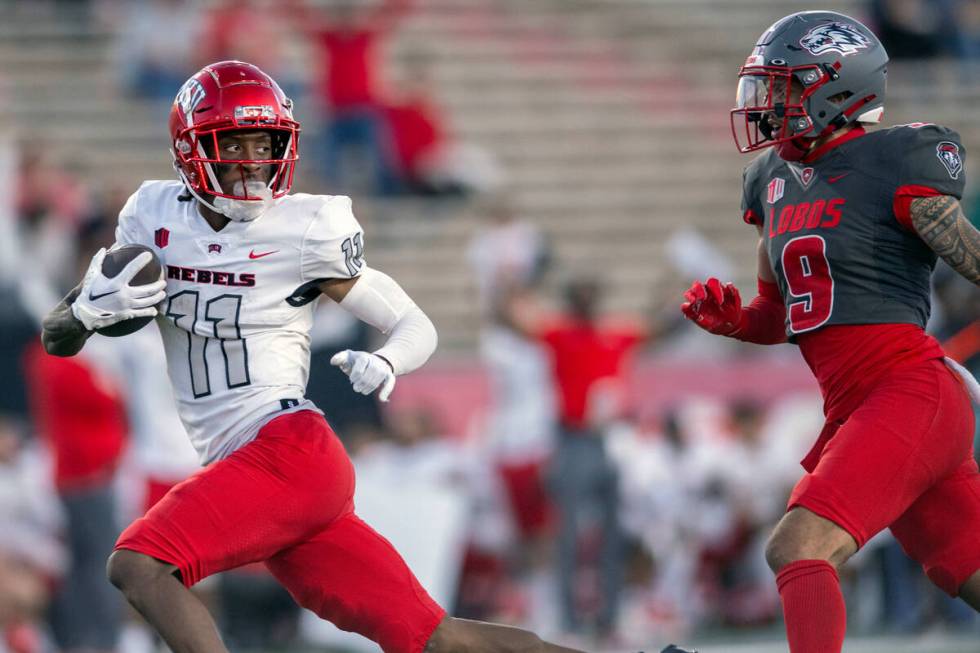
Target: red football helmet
<point x="223" y="97"/>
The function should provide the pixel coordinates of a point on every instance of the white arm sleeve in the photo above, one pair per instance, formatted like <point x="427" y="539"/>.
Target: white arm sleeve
<point x="378" y="300"/>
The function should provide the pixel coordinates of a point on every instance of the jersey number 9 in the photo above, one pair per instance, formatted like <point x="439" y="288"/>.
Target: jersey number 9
<point x="810" y="283"/>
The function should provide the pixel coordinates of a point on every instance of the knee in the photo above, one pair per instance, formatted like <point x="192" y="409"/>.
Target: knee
<point x="779" y="552"/>
<point x="786" y="546"/>
<point x="127" y="569"/>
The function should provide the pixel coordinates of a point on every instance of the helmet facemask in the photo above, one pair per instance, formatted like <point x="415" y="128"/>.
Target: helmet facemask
<point x="198" y="154"/>
<point x="771" y="105"/>
<point x="810" y="74"/>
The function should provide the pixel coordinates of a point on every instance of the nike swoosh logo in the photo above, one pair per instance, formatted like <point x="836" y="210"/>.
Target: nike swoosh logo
<point x="253" y="255"/>
<point x="92" y="297"/>
<point x="831" y="180"/>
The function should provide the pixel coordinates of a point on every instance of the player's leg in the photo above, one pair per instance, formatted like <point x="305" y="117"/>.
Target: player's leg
<point x="892" y="449"/>
<point x="466" y="636"/>
<point x="572" y="482"/>
<point x="970" y="591"/>
<point x="292" y="480"/>
<point x="941" y="531"/>
<point x="805" y="551"/>
<point x="611" y="555"/>
<point x="351" y="576"/>
<point x="153" y="588"/>
<point x="804" y="535"/>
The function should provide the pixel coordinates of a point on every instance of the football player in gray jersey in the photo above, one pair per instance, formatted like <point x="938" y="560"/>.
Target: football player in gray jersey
<point x="851" y="224"/>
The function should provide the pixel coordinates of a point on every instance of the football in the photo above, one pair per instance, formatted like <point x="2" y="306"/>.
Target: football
<point x="113" y="263"/>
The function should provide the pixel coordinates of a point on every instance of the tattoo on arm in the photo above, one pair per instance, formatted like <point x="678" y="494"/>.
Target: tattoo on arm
<point x="941" y="224"/>
<point x="62" y="334"/>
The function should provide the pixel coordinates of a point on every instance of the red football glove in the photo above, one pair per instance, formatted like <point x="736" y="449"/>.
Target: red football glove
<point x="714" y="307"/>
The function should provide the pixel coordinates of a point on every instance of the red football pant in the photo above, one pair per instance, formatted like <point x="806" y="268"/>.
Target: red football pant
<point x="904" y="459"/>
<point x="286" y="499"/>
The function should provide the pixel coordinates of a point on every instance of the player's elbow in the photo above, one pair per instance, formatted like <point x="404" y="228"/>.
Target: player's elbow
<point x="432" y="337"/>
<point x="425" y="334"/>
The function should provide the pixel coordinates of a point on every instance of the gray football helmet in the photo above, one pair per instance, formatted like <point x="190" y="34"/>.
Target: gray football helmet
<point x="809" y="74"/>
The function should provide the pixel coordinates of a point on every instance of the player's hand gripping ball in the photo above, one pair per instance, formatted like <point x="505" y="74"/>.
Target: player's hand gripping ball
<point x="713" y="306"/>
<point x="120" y="291"/>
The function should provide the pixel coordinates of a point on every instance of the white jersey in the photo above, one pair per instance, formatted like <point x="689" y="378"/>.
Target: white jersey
<point x="159" y="440"/>
<point x="240" y="303"/>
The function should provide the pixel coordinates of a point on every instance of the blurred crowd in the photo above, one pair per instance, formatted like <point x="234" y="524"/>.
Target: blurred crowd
<point x="371" y="130"/>
<point x="923" y="29"/>
<point x="586" y="517"/>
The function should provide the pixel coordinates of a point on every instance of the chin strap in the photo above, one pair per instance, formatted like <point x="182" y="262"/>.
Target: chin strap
<point x="795" y="149"/>
<point x="217" y="207"/>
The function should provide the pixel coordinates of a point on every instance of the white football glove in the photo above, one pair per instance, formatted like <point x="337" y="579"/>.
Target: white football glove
<point x="367" y="372"/>
<point x="104" y="301"/>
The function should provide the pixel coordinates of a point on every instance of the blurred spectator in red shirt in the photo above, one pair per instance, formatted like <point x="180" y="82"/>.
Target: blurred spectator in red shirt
<point x="77" y="407"/>
<point x="252" y="31"/>
<point x="78" y="410"/>
<point x="349" y="38"/>
<point x="80" y="413"/>
<point x="586" y="352"/>
<point x="588" y="361"/>
<point x="430" y="161"/>
<point x="417" y="132"/>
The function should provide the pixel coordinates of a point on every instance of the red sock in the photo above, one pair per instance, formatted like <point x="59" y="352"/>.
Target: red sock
<point x="813" y="606"/>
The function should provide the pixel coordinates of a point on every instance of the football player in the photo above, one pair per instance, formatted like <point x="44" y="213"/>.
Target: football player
<point x="244" y="263"/>
<point x="850" y="223"/>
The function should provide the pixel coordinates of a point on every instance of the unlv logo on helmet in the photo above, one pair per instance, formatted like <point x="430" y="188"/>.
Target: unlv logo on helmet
<point x="834" y="37"/>
<point x="189" y="96"/>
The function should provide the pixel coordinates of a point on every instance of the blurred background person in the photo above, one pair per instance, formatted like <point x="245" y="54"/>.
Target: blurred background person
<point x="348" y="36"/>
<point x="156" y="47"/>
<point x="588" y="361"/>
<point x="254" y="31"/>
<point x="429" y="160"/>
<point x="78" y="407"/>
<point x="33" y="558"/>
<point x="509" y="257"/>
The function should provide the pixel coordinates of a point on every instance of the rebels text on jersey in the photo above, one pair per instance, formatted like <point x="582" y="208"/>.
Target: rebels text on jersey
<point x="239" y="307"/>
<point x="837" y="232"/>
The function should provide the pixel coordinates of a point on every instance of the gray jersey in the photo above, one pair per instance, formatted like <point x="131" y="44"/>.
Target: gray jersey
<point x="837" y="232"/>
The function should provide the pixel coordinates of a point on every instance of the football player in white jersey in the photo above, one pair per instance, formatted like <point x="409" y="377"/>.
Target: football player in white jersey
<point x="243" y="263"/>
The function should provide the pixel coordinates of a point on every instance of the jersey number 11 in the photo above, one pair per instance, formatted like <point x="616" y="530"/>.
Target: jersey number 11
<point x="222" y="313"/>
